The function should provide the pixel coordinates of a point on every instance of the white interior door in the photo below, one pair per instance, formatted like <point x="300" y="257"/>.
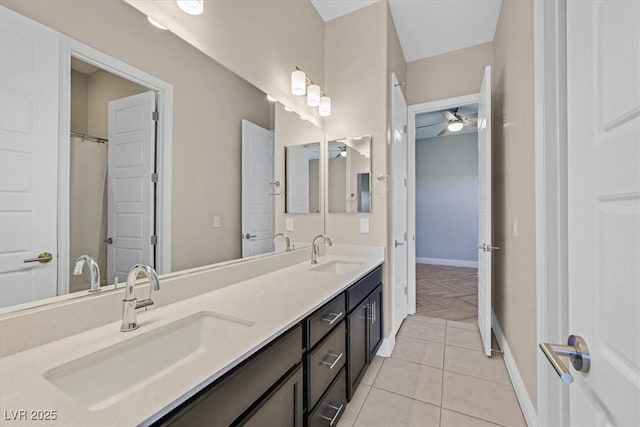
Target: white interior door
<point x="28" y="158"/>
<point x="297" y="179"/>
<point x="257" y="190"/>
<point x="485" y="240"/>
<point x="603" y="103"/>
<point x="399" y="209"/>
<point x="130" y="224"/>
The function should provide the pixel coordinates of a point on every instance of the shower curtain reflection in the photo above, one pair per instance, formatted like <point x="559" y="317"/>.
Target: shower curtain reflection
<point x="88" y="206"/>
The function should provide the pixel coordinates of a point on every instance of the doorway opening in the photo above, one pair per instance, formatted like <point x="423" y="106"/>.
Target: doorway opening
<point x="446" y="162"/>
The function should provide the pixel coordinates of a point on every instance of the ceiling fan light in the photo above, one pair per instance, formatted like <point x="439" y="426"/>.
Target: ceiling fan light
<point x="324" y="109"/>
<point x="455" y="126"/>
<point x="313" y="95"/>
<point x="192" y="7"/>
<point x="298" y="83"/>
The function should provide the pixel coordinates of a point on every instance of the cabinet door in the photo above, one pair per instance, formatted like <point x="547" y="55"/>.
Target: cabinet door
<point x="283" y="408"/>
<point x="357" y="346"/>
<point x="375" y="322"/>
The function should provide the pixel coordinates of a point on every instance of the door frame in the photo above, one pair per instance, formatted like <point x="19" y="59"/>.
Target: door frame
<point x="551" y="161"/>
<point x="164" y="145"/>
<point x="412" y="111"/>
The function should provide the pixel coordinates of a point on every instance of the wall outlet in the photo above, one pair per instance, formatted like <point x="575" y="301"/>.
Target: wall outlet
<point x="289" y="224"/>
<point x="216" y="222"/>
<point x="515" y="227"/>
<point x="364" y="225"/>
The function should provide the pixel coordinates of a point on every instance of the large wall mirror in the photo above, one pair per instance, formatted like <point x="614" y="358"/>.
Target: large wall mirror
<point x="111" y="200"/>
<point x="349" y="175"/>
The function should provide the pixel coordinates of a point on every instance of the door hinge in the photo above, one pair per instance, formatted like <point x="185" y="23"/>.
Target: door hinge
<point x="405" y="236"/>
<point x="405" y="182"/>
<point x="155" y="116"/>
<point x="406" y="290"/>
<point x="405" y="129"/>
<point x="154" y="240"/>
<point x="154" y="177"/>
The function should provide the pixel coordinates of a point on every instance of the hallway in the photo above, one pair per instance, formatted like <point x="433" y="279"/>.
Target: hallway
<point x="449" y="293"/>
<point x="437" y="376"/>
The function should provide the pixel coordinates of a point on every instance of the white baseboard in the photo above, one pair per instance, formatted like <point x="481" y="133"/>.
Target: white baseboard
<point x="448" y="262"/>
<point x="386" y="348"/>
<point x="529" y="411"/>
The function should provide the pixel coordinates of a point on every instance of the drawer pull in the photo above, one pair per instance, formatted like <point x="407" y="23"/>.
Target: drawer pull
<point x="337" y="357"/>
<point x="332" y="420"/>
<point x="331" y="321"/>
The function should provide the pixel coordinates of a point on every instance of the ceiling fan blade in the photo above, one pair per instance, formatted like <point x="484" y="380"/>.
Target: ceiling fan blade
<point x="443" y="131"/>
<point x="449" y="115"/>
<point x="432" y="124"/>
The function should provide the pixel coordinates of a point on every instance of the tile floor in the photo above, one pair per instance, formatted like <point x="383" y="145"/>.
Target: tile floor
<point x="437" y="376"/>
<point x="447" y="292"/>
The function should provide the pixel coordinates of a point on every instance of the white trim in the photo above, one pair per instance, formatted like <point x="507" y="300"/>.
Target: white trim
<point x="164" y="90"/>
<point x="448" y="262"/>
<point x="550" y="202"/>
<point x="528" y="410"/>
<point x="386" y="348"/>
<point x="412" y="111"/>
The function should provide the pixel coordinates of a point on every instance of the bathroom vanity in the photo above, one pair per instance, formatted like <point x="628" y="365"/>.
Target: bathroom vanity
<point x="287" y="347"/>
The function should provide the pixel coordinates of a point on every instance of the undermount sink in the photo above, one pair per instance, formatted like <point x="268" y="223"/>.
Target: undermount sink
<point x="102" y="378"/>
<point x="339" y="267"/>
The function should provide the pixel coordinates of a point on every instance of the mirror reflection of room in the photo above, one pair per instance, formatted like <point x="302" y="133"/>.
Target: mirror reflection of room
<point x="302" y="165"/>
<point x="349" y="175"/>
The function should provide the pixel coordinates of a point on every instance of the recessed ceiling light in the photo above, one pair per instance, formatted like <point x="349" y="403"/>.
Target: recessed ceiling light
<point x="156" y="23"/>
<point x="271" y="98"/>
<point x="192" y="7"/>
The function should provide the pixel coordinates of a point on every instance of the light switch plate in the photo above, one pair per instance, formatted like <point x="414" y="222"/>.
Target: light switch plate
<point x="216" y="222"/>
<point x="289" y="224"/>
<point x="364" y="225"/>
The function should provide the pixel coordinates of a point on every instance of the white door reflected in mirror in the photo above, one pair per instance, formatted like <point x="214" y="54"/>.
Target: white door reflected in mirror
<point x="349" y="169"/>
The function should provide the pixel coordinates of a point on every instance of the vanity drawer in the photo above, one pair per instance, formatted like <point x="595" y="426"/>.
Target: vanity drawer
<point x="324" y="363"/>
<point x="332" y="406"/>
<point x="221" y="403"/>
<point x="324" y="319"/>
<point x="363" y="287"/>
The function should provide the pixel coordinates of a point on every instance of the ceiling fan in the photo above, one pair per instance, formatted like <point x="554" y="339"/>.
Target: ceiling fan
<point x="455" y="122"/>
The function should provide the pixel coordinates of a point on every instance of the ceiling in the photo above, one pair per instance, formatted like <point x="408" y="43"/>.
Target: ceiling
<point x="429" y="27"/>
<point x="429" y="125"/>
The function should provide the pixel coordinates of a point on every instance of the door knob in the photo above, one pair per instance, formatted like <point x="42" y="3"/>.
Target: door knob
<point x="396" y="243"/>
<point x="249" y="236"/>
<point x="43" y="258"/>
<point x="576" y="349"/>
<point x="109" y="240"/>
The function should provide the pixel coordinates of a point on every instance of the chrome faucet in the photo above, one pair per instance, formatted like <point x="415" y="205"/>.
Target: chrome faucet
<point x="315" y="247"/>
<point x="286" y="240"/>
<point x="93" y="268"/>
<point x="130" y="303"/>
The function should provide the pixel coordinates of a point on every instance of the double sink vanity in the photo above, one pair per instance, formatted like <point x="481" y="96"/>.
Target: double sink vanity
<point x="285" y="347"/>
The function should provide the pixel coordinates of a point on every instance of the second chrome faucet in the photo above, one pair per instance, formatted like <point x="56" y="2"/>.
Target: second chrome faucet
<point x="130" y="303"/>
<point x="315" y="248"/>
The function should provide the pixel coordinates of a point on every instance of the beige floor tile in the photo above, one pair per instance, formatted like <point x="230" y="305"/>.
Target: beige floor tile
<point x="454" y="419"/>
<point x="419" y="351"/>
<point x="411" y="379"/>
<point x="370" y="376"/>
<point x="423" y="330"/>
<point x="464" y="338"/>
<point x="427" y="319"/>
<point x="353" y="408"/>
<point x="386" y="409"/>
<point x="487" y="400"/>
<point x="463" y="325"/>
<point x="475" y="364"/>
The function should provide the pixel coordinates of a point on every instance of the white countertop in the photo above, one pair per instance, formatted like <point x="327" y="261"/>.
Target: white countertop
<point x="274" y="302"/>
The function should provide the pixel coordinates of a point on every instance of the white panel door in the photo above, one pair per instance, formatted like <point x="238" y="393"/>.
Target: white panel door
<point x="297" y="185"/>
<point x="485" y="239"/>
<point x="603" y="96"/>
<point x="28" y="158"/>
<point x="257" y="190"/>
<point x="399" y="210"/>
<point x="130" y="223"/>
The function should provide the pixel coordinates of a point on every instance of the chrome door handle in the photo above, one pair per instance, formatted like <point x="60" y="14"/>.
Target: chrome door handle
<point x="43" y="258"/>
<point x="488" y="248"/>
<point x="336" y="316"/>
<point x="576" y="349"/>
<point x="333" y="365"/>
<point x="396" y="243"/>
<point x="109" y="241"/>
<point x="249" y="236"/>
<point x="483" y="247"/>
<point x="333" y="419"/>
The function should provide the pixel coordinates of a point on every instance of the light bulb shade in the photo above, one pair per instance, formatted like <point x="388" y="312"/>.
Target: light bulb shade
<point x="156" y="23"/>
<point x="192" y="7"/>
<point x="313" y="95"/>
<point x="324" y="109"/>
<point x="298" y="83"/>
<point x="455" y="126"/>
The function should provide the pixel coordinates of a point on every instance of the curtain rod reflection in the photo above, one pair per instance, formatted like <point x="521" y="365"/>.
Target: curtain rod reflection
<point x="89" y="137"/>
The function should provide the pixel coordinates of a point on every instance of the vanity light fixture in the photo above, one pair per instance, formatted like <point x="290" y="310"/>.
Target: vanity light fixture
<point x="302" y="85"/>
<point x="156" y="23"/>
<point x="455" y="126"/>
<point x="192" y="7"/>
<point x="271" y="98"/>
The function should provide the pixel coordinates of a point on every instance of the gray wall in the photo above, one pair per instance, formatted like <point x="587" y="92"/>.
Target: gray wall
<point x="447" y="197"/>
